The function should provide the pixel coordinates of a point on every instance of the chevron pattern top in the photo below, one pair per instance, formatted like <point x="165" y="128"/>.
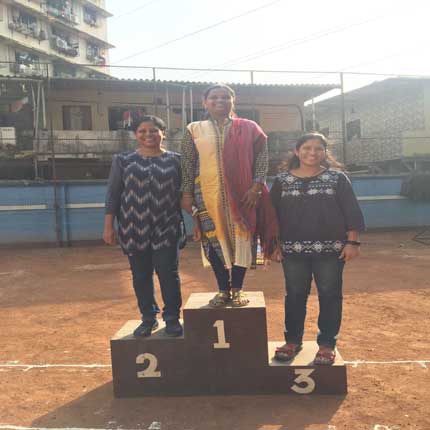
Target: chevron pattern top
<point x="143" y="194"/>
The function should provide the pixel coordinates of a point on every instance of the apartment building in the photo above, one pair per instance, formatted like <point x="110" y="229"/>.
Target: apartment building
<point x="55" y="37"/>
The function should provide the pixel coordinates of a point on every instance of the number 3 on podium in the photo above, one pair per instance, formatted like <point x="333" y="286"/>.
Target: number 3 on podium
<point x="303" y="378"/>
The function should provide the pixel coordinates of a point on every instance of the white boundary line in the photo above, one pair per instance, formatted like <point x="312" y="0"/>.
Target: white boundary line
<point x="7" y="427"/>
<point x="422" y="363"/>
<point x="26" y="367"/>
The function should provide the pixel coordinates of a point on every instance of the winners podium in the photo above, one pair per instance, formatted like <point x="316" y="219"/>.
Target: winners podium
<point x="223" y="351"/>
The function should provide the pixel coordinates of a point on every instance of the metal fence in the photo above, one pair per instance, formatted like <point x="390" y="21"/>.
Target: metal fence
<point x="375" y="123"/>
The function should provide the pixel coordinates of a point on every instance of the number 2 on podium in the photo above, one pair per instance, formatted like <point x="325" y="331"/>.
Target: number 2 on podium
<point x="221" y="344"/>
<point x="151" y="371"/>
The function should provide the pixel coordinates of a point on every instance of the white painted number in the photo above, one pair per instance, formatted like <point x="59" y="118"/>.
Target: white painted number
<point x="303" y="378"/>
<point x="221" y="344"/>
<point x="151" y="371"/>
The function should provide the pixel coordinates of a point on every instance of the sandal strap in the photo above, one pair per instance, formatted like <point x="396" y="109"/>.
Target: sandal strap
<point x="326" y="354"/>
<point x="288" y="348"/>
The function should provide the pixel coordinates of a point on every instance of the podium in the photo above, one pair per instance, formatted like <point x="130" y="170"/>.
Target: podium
<point x="222" y="351"/>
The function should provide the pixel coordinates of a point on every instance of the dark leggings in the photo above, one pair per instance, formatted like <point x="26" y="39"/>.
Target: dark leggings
<point x="224" y="280"/>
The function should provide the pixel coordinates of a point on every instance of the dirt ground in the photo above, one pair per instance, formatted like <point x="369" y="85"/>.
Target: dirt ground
<point x="62" y="305"/>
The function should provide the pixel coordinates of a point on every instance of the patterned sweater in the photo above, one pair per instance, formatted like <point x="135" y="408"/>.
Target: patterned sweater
<point x="143" y="194"/>
<point x="315" y="213"/>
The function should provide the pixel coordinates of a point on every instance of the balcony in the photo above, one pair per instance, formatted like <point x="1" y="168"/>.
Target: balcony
<point x="26" y="64"/>
<point x="62" y="10"/>
<point x="26" y="24"/>
<point x="96" y="55"/>
<point x="64" y="43"/>
<point x="90" y="17"/>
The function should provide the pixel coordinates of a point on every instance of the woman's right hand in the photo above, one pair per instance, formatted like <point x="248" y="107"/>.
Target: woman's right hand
<point x="197" y="232"/>
<point x="109" y="236"/>
<point x="187" y="202"/>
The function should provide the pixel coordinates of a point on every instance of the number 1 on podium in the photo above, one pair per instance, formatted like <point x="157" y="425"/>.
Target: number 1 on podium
<point x="221" y="344"/>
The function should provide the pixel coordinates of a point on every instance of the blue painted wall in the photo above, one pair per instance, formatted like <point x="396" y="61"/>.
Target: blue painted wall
<point x="24" y="223"/>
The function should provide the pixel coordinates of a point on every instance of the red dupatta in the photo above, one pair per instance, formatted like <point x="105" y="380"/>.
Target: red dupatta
<point x="244" y="141"/>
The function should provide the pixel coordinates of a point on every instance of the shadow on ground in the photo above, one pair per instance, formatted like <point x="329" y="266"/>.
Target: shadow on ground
<point x="99" y="409"/>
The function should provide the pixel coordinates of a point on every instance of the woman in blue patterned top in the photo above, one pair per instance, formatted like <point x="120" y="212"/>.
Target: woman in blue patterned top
<point x="320" y="220"/>
<point x="143" y="195"/>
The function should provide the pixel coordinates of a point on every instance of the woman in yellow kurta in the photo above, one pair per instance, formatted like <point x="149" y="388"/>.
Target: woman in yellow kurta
<point x="224" y="168"/>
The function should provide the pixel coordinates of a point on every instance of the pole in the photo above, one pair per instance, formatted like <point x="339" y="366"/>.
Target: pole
<point x="154" y="92"/>
<point x="342" y="106"/>
<point x="168" y="108"/>
<point x="184" y="119"/>
<point x="314" y="122"/>
<point x="191" y="105"/>
<point x="56" y="204"/>
<point x="36" y="131"/>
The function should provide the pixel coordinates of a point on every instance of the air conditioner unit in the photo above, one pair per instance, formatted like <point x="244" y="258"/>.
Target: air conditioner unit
<point x="7" y="137"/>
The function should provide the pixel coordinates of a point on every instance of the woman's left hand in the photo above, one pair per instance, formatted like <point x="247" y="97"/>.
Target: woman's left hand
<point x="349" y="252"/>
<point x="251" y="197"/>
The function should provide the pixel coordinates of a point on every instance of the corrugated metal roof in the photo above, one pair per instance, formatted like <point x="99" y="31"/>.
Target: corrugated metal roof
<point x="203" y="83"/>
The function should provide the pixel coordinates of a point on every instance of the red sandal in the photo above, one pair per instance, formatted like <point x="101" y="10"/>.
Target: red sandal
<point x="325" y="356"/>
<point x="287" y="352"/>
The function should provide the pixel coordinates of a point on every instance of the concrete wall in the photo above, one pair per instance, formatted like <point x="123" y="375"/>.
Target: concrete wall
<point x="395" y="123"/>
<point x="28" y="212"/>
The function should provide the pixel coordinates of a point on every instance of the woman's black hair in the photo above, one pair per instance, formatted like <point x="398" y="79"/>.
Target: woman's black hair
<point x="221" y="86"/>
<point x="329" y="161"/>
<point x="158" y="122"/>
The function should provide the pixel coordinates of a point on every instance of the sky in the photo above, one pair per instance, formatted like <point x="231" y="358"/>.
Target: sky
<point x="375" y="36"/>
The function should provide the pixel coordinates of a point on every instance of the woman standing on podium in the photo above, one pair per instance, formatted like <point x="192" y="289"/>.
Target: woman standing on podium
<point x="143" y="195"/>
<point x="320" y="220"/>
<point x="224" y="167"/>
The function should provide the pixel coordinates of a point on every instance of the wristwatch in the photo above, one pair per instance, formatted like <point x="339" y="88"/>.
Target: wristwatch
<point x="353" y="242"/>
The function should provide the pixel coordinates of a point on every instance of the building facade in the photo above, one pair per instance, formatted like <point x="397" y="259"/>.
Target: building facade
<point x="53" y="37"/>
<point x="387" y="124"/>
<point x="92" y="116"/>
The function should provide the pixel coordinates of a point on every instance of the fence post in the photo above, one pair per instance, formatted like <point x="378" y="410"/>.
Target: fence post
<point x="342" y="107"/>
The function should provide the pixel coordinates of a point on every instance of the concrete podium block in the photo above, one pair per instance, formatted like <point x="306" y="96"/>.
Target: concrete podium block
<point x="223" y="351"/>
<point x="227" y="337"/>
<point x="301" y="376"/>
<point x="147" y="365"/>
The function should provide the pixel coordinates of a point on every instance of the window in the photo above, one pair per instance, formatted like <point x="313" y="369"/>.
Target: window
<point x="251" y="114"/>
<point x="61" y="9"/>
<point x="64" y="42"/>
<point x="26" y="64"/>
<point x="353" y="129"/>
<point x="95" y="54"/>
<point x="24" y="23"/>
<point x="77" y="118"/>
<point x="121" y="117"/>
<point x="90" y="16"/>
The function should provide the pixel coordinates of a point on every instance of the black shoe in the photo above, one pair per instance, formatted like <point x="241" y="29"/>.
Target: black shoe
<point x="173" y="328"/>
<point x="146" y="328"/>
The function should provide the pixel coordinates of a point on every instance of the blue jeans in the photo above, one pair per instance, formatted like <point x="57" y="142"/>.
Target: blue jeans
<point x="327" y="272"/>
<point x="165" y="264"/>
